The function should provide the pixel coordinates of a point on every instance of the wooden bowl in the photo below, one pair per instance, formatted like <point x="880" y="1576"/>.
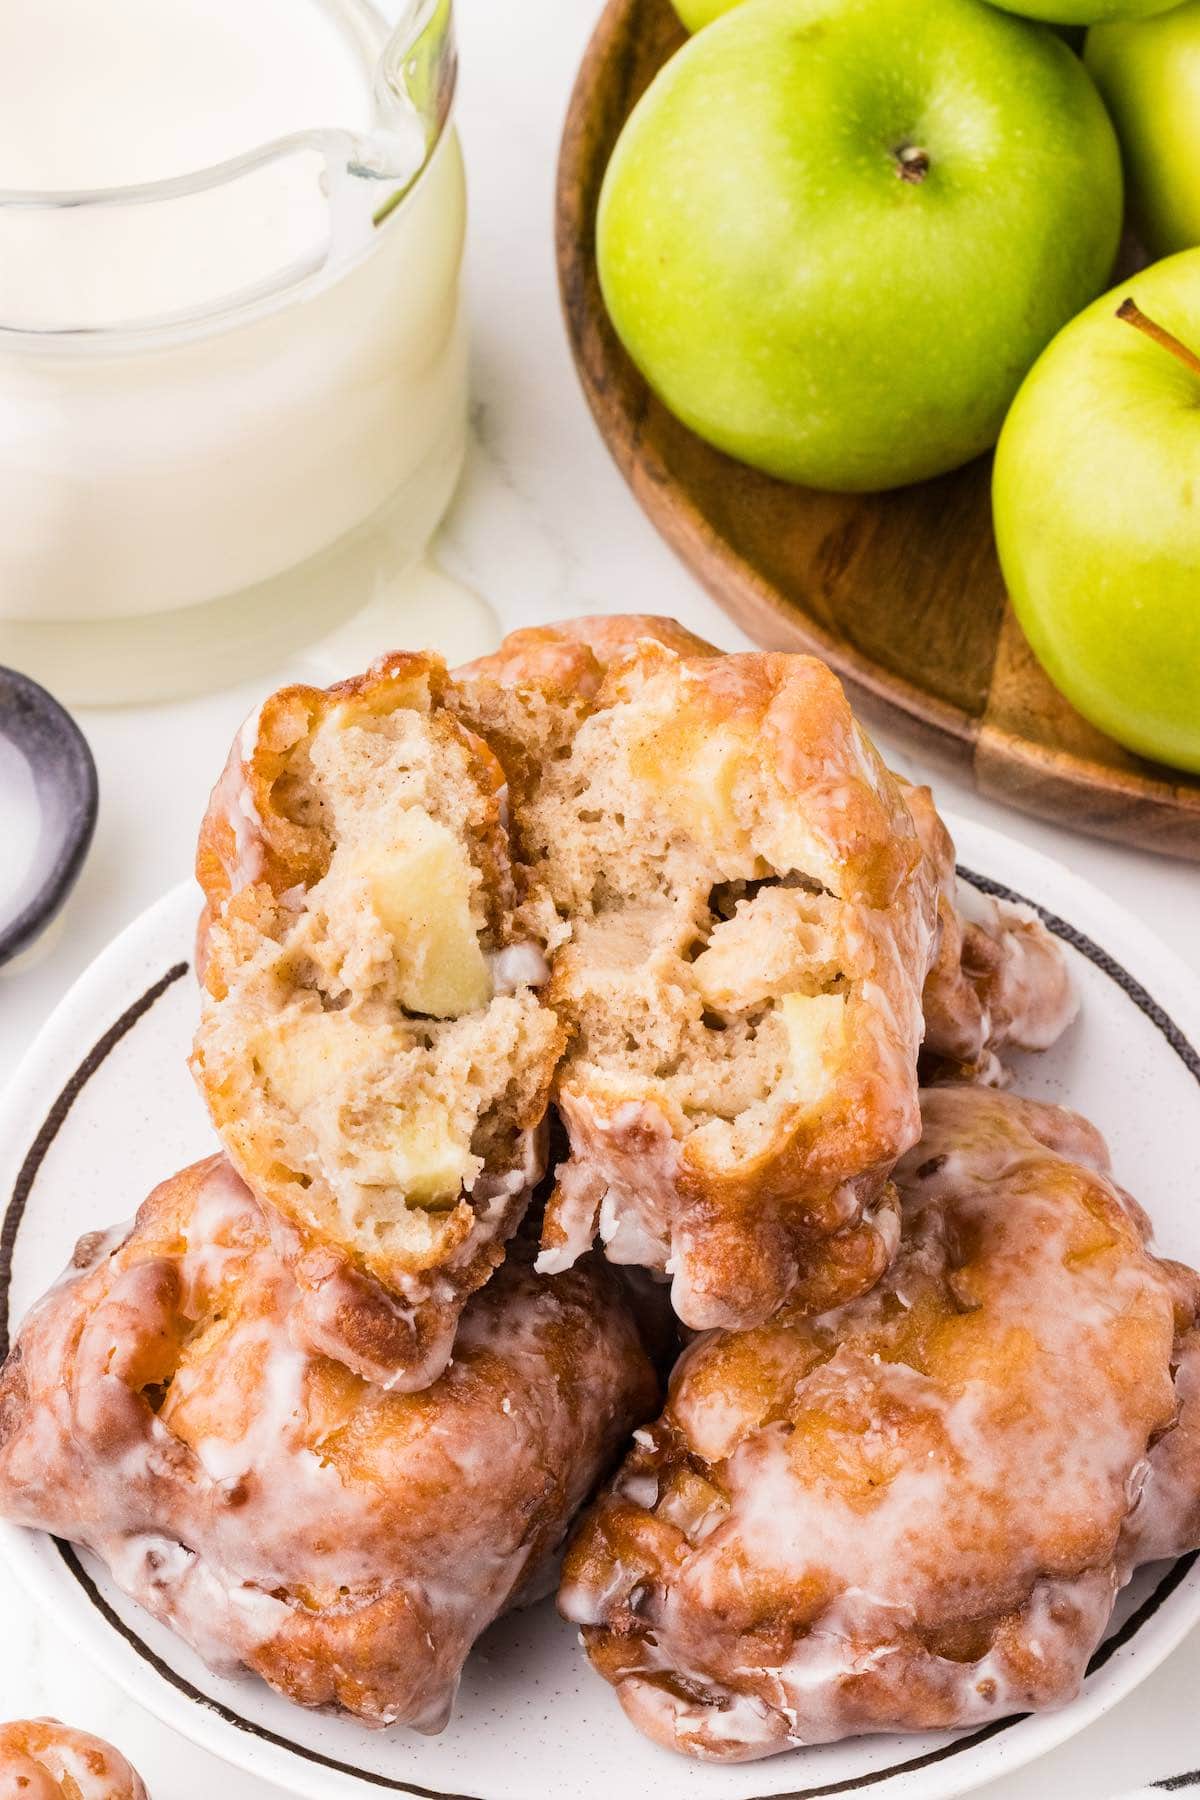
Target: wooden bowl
<point x="900" y="592"/>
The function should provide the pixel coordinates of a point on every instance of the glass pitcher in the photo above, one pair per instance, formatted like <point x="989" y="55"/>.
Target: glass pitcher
<point x="233" y="400"/>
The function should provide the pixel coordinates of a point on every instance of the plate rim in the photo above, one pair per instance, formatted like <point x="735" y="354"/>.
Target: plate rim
<point x="257" y="1750"/>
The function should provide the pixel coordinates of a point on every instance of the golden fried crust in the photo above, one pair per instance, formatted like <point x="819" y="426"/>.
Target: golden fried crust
<point x="345" y="1543"/>
<point x="40" y="1759"/>
<point x="792" y="1225"/>
<point x="913" y="1513"/>
<point x="1166" y="1521"/>
<point x="955" y="1026"/>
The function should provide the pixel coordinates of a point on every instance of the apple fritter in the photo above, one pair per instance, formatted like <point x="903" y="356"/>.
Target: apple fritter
<point x="345" y="1543"/>
<point x="747" y="923"/>
<point x="373" y="1049"/>
<point x="916" y="1511"/>
<point x="744" y="948"/>
<point x="41" y="1759"/>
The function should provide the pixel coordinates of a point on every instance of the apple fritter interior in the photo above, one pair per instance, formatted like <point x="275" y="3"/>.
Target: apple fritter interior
<point x="345" y="1543"/>
<point x="41" y="1759"/>
<point x="916" y="1511"/>
<point x="746" y="921"/>
<point x="373" y="1049"/>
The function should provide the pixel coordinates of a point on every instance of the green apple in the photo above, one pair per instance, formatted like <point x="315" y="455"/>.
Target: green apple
<point x="1096" y="497"/>
<point x="1149" y="74"/>
<point x="1084" y="12"/>
<point x="835" y="234"/>
<point x="698" y="13"/>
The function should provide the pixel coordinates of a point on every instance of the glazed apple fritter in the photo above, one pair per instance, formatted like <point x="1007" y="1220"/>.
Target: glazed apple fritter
<point x="41" y="1759"/>
<point x="346" y="1543"/>
<point x="916" y="1511"/>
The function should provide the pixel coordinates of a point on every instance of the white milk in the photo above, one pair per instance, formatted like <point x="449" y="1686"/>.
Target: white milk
<point x="139" y="90"/>
<point x="232" y="413"/>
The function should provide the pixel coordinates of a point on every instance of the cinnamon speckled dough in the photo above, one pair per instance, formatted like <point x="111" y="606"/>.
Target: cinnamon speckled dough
<point x="346" y="1544"/>
<point x="373" y="1049"/>
<point x="915" y="1512"/>
<point x="41" y="1759"/>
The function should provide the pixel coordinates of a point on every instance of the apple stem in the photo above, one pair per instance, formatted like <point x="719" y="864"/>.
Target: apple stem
<point x="1132" y="314"/>
<point x="912" y="163"/>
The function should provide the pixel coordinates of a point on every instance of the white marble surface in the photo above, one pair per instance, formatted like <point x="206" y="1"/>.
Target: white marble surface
<point x="543" y="527"/>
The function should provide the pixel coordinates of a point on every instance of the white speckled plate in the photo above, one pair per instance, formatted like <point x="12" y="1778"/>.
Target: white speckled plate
<point x="103" y="1108"/>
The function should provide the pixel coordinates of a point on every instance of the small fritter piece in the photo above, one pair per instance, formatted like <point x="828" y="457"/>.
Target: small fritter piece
<point x="41" y="1759"/>
<point x="745" y="919"/>
<point x="372" y="1049"/>
<point x="999" y="980"/>
<point x="346" y="1544"/>
<point x="915" y="1512"/>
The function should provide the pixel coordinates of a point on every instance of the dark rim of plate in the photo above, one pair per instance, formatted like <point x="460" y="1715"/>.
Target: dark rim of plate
<point x="64" y="775"/>
<point x="19" y="1199"/>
